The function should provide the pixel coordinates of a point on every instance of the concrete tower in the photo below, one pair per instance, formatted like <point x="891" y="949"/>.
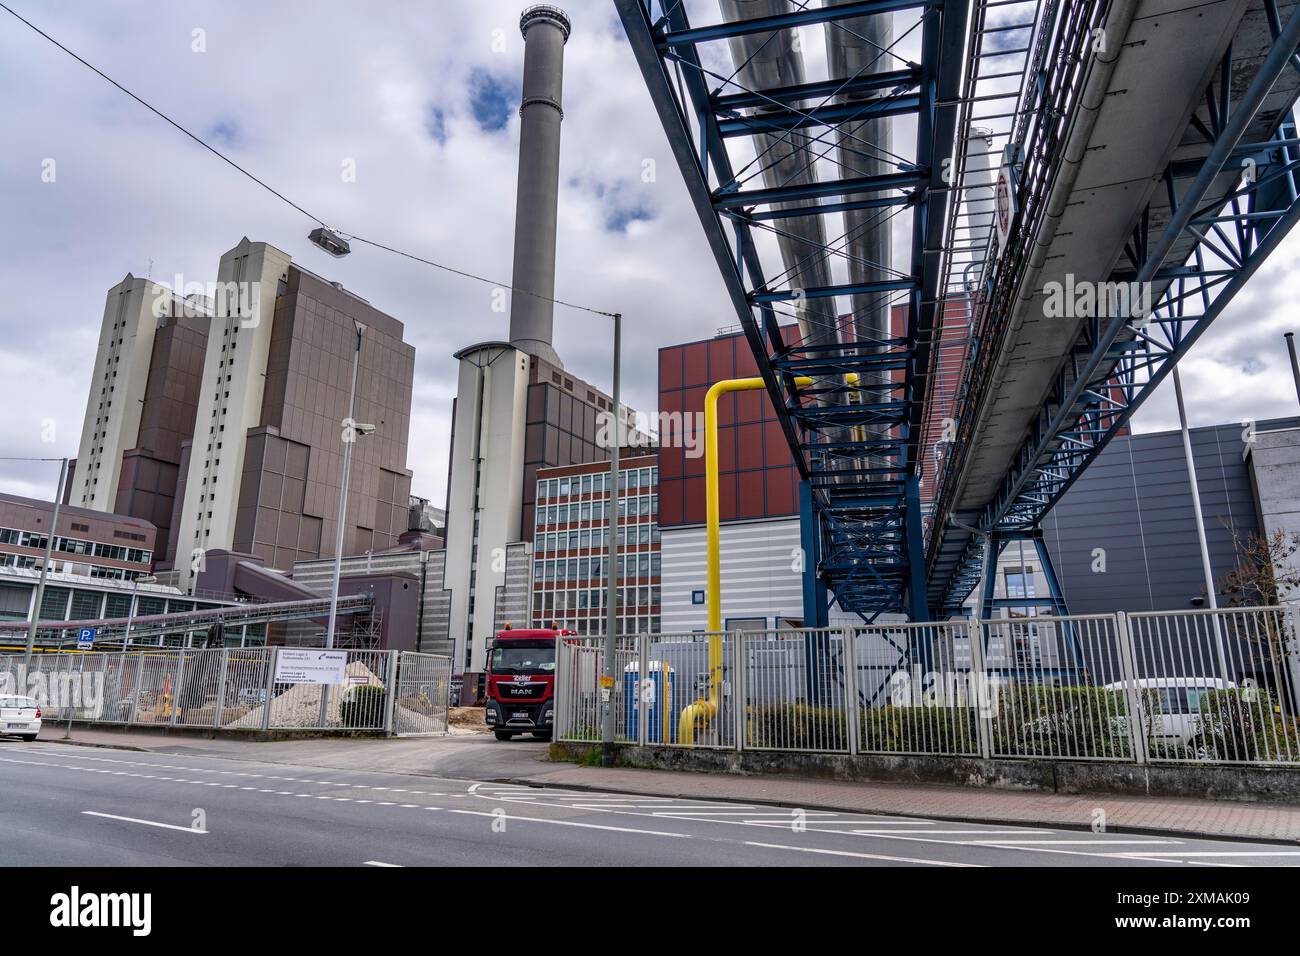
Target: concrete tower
<point x="545" y="29"/>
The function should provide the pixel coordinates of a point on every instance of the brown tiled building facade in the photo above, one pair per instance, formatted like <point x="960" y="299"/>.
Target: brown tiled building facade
<point x="263" y="471"/>
<point x="293" y="464"/>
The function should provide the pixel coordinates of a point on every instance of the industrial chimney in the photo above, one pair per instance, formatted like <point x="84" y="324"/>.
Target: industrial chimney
<point x="545" y="29"/>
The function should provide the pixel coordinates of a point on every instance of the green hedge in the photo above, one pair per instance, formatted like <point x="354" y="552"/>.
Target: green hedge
<point x="1039" y="720"/>
<point x="935" y="729"/>
<point x="798" y="727"/>
<point x="363" y="706"/>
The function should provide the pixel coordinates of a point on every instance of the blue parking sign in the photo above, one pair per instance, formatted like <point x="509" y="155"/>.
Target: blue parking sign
<point x="85" y="638"/>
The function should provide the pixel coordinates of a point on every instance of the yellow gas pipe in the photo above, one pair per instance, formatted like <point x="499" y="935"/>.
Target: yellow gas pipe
<point x="704" y="710"/>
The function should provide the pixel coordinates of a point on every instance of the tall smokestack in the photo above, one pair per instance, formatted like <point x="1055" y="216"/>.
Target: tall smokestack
<point x="545" y="29"/>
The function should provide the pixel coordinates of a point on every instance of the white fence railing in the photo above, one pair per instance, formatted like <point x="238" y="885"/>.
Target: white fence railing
<point x="234" y="689"/>
<point x="1181" y="686"/>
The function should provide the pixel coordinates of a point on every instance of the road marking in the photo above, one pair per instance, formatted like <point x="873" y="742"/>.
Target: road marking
<point x="684" y="809"/>
<point x="946" y="833"/>
<point x="1220" y="853"/>
<point x="860" y="856"/>
<point x="148" y="823"/>
<point x="397" y="866"/>
<point x="573" y="823"/>
<point x="1067" y="842"/>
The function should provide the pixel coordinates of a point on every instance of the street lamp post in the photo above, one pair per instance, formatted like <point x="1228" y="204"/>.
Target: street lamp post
<point x="1200" y="526"/>
<point x="45" y="570"/>
<point x="135" y="599"/>
<point x="611" y="578"/>
<point x="351" y="430"/>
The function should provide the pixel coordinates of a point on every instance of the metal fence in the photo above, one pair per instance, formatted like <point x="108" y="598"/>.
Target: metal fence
<point x="423" y="689"/>
<point x="1206" y="686"/>
<point x="235" y="689"/>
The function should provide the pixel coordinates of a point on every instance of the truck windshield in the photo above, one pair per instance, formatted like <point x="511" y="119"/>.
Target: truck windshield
<point x="512" y="659"/>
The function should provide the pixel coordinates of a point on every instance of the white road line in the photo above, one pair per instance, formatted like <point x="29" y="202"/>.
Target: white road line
<point x="1220" y="853"/>
<point x="378" y="863"/>
<point x="573" y="823"/>
<point x="1018" y="843"/>
<point x="148" y="823"/>
<point x="780" y="815"/>
<point x="860" y="856"/>
<point x="944" y="833"/>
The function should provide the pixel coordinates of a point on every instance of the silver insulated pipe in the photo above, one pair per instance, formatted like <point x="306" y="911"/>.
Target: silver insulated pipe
<point x="532" y="313"/>
<point x="766" y="60"/>
<point x="856" y="48"/>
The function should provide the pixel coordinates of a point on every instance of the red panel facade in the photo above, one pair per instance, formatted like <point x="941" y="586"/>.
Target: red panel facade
<point x="756" y="472"/>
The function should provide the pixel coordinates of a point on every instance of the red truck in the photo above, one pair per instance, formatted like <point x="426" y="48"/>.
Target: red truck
<point x="521" y="682"/>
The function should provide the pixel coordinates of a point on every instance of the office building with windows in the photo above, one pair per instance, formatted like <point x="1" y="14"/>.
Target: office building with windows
<point x="571" y="542"/>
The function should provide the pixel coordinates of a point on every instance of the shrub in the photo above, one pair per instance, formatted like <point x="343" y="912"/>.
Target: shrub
<point x="1246" y="724"/>
<point x="904" y="729"/>
<point x="798" y="727"/>
<point x="363" y="706"/>
<point x="1040" y="720"/>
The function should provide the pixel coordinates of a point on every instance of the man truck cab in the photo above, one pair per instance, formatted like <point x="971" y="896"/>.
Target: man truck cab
<point x="521" y="682"/>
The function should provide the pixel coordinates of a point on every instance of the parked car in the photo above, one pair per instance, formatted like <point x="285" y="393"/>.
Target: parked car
<point x="1180" y="702"/>
<point x="19" y="717"/>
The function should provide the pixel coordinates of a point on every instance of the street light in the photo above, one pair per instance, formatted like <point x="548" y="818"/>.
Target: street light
<point x="611" y="573"/>
<point x="45" y="570"/>
<point x="135" y="599"/>
<point x="330" y="241"/>
<point x="351" y="430"/>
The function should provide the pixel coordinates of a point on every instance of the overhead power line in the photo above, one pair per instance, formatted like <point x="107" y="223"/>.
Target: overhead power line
<point x="281" y="196"/>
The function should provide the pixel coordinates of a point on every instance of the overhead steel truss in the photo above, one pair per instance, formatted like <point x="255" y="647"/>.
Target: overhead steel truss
<point x="855" y="432"/>
<point x="1231" y="209"/>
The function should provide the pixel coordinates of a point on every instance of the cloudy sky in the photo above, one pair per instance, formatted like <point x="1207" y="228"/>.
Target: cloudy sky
<point x="422" y="98"/>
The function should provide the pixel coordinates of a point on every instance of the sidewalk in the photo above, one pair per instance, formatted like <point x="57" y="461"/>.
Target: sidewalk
<point x="479" y="757"/>
<point x="1196" y="818"/>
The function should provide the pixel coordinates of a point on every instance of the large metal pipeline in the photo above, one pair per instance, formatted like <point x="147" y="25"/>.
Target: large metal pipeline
<point x="855" y="48"/>
<point x="766" y="60"/>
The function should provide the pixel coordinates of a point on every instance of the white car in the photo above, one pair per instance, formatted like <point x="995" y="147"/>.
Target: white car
<point x="19" y="717"/>
<point x="1180" y="701"/>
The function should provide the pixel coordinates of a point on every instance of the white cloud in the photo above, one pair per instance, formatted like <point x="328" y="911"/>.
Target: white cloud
<point x="305" y="87"/>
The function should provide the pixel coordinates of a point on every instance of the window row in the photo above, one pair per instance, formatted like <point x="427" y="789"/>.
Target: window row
<point x="631" y="479"/>
<point x="550" y="603"/>
<point x="37" y="540"/>
<point x="551" y="516"/>
<point x="596" y="538"/>
<point x="587" y="569"/>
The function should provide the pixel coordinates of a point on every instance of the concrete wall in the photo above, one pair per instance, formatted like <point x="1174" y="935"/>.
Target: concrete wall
<point x="485" y="490"/>
<point x="1273" y="459"/>
<point x="117" y="390"/>
<point x="230" y="401"/>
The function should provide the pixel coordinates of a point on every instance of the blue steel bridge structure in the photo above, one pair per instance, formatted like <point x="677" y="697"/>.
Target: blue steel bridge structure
<point x="953" y="162"/>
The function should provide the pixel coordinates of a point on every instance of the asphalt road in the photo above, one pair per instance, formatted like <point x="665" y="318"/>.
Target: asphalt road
<point x="73" y="806"/>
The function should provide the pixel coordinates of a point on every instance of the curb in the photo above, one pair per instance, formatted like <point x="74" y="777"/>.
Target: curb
<point x="87" y="743"/>
<point x="951" y="818"/>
